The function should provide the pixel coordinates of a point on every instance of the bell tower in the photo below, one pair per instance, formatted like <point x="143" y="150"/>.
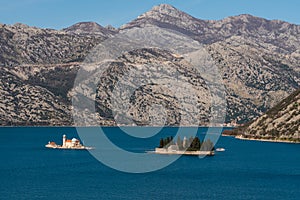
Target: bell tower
<point x="64" y="140"/>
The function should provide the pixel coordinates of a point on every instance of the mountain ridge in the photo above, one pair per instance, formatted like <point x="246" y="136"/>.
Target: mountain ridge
<point x="209" y="30"/>
<point x="258" y="59"/>
<point x="90" y="28"/>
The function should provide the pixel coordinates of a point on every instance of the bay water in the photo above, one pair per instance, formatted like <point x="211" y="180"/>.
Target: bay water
<point x="246" y="170"/>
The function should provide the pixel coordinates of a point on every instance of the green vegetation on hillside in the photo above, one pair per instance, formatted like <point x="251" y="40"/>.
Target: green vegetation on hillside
<point x="279" y="123"/>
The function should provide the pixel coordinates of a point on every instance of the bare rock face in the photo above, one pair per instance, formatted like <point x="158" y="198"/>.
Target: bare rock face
<point x="156" y="79"/>
<point x="166" y="16"/>
<point x="259" y="58"/>
<point x="25" y="104"/>
<point x="280" y="34"/>
<point x="255" y="78"/>
<point x="280" y="122"/>
<point x="21" y="44"/>
<point x="259" y="61"/>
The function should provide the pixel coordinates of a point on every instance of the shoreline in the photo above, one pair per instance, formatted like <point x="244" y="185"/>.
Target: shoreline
<point x="189" y="153"/>
<point x="265" y="140"/>
<point x="227" y="135"/>
<point x="73" y="148"/>
<point x="70" y="126"/>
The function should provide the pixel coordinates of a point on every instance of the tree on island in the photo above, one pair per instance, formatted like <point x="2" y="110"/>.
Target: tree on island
<point x="179" y="143"/>
<point x="190" y="141"/>
<point x="207" y="145"/>
<point x="165" y="143"/>
<point x="193" y="144"/>
<point x="172" y="141"/>
<point x="161" y="143"/>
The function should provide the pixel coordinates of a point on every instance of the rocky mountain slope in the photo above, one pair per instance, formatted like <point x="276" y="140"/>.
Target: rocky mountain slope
<point x="255" y="77"/>
<point x="282" y="122"/>
<point x="156" y="101"/>
<point x="29" y="104"/>
<point x="259" y="58"/>
<point x="259" y="61"/>
<point x="281" y="34"/>
<point x="21" y="44"/>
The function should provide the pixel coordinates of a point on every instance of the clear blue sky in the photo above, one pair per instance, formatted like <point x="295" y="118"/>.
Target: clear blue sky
<point x="58" y="14"/>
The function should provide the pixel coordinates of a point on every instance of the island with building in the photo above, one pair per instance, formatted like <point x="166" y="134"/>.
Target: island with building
<point x="67" y="144"/>
<point x="187" y="146"/>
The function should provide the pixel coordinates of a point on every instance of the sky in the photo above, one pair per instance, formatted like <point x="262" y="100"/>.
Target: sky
<point x="58" y="14"/>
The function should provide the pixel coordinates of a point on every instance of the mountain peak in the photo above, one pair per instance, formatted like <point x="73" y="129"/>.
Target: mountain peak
<point x="163" y="15"/>
<point x="84" y="26"/>
<point x="88" y="28"/>
<point x="164" y="7"/>
<point x="162" y="10"/>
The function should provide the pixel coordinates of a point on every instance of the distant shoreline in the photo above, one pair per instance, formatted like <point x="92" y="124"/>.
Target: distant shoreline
<point x="228" y="135"/>
<point x="67" y="126"/>
<point x="264" y="140"/>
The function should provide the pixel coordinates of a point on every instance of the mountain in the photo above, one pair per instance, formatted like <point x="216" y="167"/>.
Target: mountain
<point x="153" y="102"/>
<point x="255" y="77"/>
<point x="258" y="59"/>
<point x="282" y="122"/>
<point x="23" y="103"/>
<point x="21" y="44"/>
<point x="90" y="28"/>
<point x="281" y="34"/>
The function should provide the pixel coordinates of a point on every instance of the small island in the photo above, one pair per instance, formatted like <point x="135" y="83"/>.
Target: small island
<point x="67" y="144"/>
<point x="192" y="146"/>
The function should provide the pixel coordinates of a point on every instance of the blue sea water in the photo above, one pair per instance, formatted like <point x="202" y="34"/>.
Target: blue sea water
<point x="246" y="170"/>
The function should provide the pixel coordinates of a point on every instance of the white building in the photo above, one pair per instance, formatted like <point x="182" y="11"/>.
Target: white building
<point x="70" y="143"/>
<point x="173" y="148"/>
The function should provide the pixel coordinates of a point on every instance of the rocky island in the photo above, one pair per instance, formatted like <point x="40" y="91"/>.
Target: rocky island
<point x="67" y="144"/>
<point x="192" y="146"/>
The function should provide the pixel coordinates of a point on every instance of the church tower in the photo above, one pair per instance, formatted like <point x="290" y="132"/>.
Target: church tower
<point x="64" y="140"/>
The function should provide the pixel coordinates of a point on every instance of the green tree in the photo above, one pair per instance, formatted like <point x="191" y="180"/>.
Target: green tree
<point x="167" y="142"/>
<point x="207" y="145"/>
<point x="195" y="144"/>
<point x="161" y="143"/>
<point x="172" y="141"/>
<point x="191" y="139"/>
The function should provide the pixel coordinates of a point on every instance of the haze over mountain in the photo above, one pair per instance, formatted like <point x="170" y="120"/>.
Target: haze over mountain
<point x="259" y="60"/>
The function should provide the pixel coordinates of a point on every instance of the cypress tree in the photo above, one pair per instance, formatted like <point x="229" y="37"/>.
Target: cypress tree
<point x="161" y="143"/>
<point x="179" y="143"/>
